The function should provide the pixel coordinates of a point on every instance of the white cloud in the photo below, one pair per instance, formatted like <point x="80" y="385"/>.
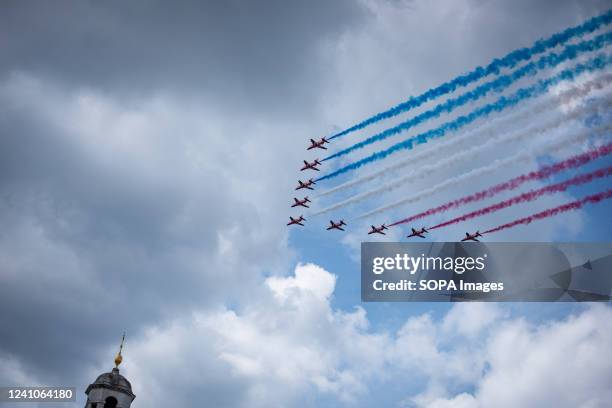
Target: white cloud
<point x="560" y="364"/>
<point x="283" y="347"/>
<point x="310" y="279"/>
<point x="557" y="363"/>
<point x="481" y="316"/>
<point x="292" y="348"/>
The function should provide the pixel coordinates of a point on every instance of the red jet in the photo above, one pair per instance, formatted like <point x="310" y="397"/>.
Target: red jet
<point x="378" y="230"/>
<point x="318" y="143"/>
<point x="307" y="184"/>
<point x="338" y="226"/>
<point x="416" y="233"/>
<point x="301" y="202"/>
<point x="469" y="237"/>
<point x="312" y="166"/>
<point x="296" y="221"/>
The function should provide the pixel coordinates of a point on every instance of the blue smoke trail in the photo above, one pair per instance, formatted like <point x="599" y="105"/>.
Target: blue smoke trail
<point x="499" y="84"/>
<point x="594" y="64"/>
<point x="509" y="61"/>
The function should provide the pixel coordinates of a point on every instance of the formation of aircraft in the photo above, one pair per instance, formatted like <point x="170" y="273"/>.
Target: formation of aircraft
<point x="311" y="166"/>
<point x="307" y="184"/>
<point x="336" y="225"/>
<point x="419" y="233"/>
<point x="472" y="237"/>
<point x="296" y="221"/>
<point x="378" y="230"/>
<point x="318" y="144"/>
<point x="300" y="202"/>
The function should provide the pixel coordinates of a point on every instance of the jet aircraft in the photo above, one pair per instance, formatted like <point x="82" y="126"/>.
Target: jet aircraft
<point x="312" y="166"/>
<point x="336" y="225"/>
<point x="378" y="230"/>
<point x="416" y="233"/>
<point x="307" y="184"/>
<point x="318" y="144"/>
<point x="470" y="237"/>
<point x="296" y="221"/>
<point x="300" y="202"/>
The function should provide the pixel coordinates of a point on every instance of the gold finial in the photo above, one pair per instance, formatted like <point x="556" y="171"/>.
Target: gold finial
<point x="119" y="357"/>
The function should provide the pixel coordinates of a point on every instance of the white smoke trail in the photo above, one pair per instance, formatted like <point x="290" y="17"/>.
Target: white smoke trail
<point x="497" y="164"/>
<point x="465" y="154"/>
<point x="483" y="129"/>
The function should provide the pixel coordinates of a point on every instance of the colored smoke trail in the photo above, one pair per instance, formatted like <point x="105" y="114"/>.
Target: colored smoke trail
<point x="502" y="82"/>
<point x="551" y="212"/>
<point x="488" y="129"/>
<point x="531" y="196"/>
<point x="509" y="61"/>
<point x="504" y="102"/>
<point x="463" y="155"/>
<point x="491" y="168"/>
<point x="543" y="173"/>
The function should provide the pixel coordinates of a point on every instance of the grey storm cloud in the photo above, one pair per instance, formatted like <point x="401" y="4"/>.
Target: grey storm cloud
<point x="248" y="53"/>
<point x="90" y="243"/>
<point x="139" y="170"/>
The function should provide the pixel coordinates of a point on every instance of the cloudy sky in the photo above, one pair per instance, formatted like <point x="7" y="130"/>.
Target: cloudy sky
<point x="148" y="154"/>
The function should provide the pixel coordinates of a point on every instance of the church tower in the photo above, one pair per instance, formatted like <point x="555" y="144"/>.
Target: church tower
<point x="110" y="390"/>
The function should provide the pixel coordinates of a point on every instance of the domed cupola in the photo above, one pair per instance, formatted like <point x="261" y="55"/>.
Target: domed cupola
<point x="110" y="390"/>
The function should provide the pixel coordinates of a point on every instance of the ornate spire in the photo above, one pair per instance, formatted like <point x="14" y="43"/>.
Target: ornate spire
<point x="119" y="357"/>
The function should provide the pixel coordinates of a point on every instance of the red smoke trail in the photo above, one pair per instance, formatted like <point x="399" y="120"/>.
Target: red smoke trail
<point x="531" y="195"/>
<point x="545" y="172"/>
<point x="574" y="205"/>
